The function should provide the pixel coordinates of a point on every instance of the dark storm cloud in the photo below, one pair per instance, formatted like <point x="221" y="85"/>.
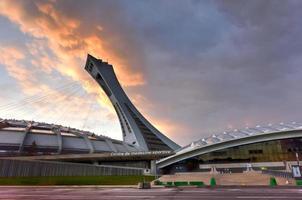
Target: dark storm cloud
<point x="208" y="65"/>
<point x="109" y="20"/>
<point x="225" y="63"/>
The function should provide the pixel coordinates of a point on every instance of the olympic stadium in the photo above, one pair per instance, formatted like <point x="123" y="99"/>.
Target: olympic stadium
<point x="144" y="148"/>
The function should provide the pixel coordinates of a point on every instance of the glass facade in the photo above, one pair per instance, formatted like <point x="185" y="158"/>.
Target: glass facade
<point x="269" y="151"/>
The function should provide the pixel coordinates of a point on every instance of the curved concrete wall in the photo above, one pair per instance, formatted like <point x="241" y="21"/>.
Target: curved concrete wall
<point x="19" y="137"/>
<point x="193" y="151"/>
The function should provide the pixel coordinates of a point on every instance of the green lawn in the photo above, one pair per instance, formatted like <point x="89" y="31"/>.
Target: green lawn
<point x="76" y="180"/>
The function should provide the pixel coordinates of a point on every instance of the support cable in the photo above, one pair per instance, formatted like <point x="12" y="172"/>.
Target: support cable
<point x="66" y="108"/>
<point x="36" y="97"/>
<point x="65" y="97"/>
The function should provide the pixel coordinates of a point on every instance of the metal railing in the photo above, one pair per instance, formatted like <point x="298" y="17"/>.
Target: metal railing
<point x="283" y="174"/>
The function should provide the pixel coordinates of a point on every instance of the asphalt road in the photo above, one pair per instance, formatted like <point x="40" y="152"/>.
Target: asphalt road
<point x="91" y="192"/>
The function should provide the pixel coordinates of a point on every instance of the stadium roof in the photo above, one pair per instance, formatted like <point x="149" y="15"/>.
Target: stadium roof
<point x="19" y="136"/>
<point x="234" y="138"/>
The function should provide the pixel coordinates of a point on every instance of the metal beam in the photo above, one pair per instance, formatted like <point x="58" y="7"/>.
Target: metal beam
<point x="27" y="130"/>
<point x="57" y="131"/>
<point x="89" y="143"/>
<point x="111" y="145"/>
<point x="87" y="140"/>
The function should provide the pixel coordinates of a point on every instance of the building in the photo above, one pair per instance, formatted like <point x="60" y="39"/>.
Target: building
<point x="135" y="128"/>
<point x="262" y="146"/>
<point x="271" y="146"/>
<point x="19" y="137"/>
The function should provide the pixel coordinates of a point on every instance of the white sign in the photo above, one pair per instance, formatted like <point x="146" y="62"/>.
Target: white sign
<point x="139" y="153"/>
<point x="296" y="171"/>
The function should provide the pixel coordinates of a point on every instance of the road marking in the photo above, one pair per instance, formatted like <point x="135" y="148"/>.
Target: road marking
<point x="268" y="197"/>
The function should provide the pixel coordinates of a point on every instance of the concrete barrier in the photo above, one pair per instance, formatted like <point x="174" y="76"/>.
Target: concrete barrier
<point x="23" y="168"/>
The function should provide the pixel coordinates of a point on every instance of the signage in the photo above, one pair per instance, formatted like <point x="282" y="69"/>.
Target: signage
<point x="140" y="153"/>
<point x="296" y="171"/>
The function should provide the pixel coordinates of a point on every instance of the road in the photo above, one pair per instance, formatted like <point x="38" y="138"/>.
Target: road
<point x="91" y="192"/>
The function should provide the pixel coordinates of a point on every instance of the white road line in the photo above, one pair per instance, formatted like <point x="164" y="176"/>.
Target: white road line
<point x="268" y="197"/>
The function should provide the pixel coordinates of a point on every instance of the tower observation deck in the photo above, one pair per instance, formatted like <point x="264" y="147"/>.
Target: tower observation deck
<point x="135" y="128"/>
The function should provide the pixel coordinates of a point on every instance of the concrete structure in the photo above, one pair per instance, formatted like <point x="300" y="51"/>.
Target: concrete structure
<point x="136" y="129"/>
<point x="230" y="179"/>
<point x="34" y="138"/>
<point x="263" y="146"/>
<point x="31" y="168"/>
<point x="143" y="160"/>
<point x="256" y="142"/>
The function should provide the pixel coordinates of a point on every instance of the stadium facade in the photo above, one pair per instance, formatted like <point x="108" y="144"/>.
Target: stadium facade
<point x="262" y="146"/>
<point x="34" y="138"/>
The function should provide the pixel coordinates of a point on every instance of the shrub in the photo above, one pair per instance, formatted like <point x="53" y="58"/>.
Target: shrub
<point x="299" y="182"/>
<point x="169" y="184"/>
<point x="213" y="182"/>
<point x="158" y="182"/>
<point x="180" y="183"/>
<point x="273" y="181"/>
<point x="197" y="183"/>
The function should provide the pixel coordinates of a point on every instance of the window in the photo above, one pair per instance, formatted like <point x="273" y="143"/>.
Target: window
<point x="219" y="153"/>
<point x="89" y="67"/>
<point x="257" y="151"/>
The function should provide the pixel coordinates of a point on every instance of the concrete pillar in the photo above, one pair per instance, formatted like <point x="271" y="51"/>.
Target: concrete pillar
<point x="57" y="131"/>
<point x="214" y="170"/>
<point x="111" y="145"/>
<point x="249" y="167"/>
<point x="153" y="167"/>
<point x="288" y="166"/>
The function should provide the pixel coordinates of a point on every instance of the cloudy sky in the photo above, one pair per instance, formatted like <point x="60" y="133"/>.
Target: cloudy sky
<point x="193" y="68"/>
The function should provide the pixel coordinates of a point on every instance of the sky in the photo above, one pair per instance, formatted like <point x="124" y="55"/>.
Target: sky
<point x="193" y="68"/>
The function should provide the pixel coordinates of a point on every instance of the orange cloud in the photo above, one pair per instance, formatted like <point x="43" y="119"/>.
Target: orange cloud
<point x="10" y="57"/>
<point x="170" y="128"/>
<point x="59" y="33"/>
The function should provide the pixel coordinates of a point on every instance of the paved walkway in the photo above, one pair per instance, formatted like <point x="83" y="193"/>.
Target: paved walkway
<point x="248" y="178"/>
<point x="91" y="193"/>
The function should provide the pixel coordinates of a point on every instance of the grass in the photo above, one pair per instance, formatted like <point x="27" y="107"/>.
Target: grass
<point x="76" y="180"/>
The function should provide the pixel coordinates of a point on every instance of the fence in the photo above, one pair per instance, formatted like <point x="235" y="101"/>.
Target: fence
<point x="21" y="168"/>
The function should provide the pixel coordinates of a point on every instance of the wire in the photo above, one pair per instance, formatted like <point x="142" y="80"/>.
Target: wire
<point x="87" y="116"/>
<point x="60" y="98"/>
<point x="40" y="96"/>
<point x="35" y="98"/>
